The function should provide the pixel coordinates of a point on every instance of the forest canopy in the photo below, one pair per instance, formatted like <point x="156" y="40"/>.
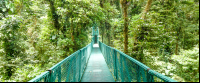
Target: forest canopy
<point x="37" y="34"/>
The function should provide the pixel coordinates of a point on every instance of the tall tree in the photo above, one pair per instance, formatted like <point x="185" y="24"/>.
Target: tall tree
<point x="54" y="15"/>
<point x="148" y="5"/>
<point x="124" y="5"/>
<point x="140" y="38"/>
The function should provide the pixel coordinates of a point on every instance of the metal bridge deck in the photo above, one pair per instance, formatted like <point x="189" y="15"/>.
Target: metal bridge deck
<point x="97" y="69"/>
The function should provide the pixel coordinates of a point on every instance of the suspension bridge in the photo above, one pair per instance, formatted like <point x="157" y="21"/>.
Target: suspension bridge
<point x="98" y="62"/>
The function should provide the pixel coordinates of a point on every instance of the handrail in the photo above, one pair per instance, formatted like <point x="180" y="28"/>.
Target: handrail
<point x="123" y="67"/>
<point x="70" y="69"/>
<point x="127" y="69"/>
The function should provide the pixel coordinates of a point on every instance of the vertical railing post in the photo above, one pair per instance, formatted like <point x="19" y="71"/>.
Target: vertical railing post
<point x="59" y="73"/>
<point x="103" y="48"/>
<point x="50" y="74"/>
<point x="85" y="59"/>
<point x="69" y="70"/>
<point x="138" y="73"/>
<point x="149" y="76"/>
<point x="127" y="70"/>
<point x="110" y="61"/>
<point x="108" y="56"/>
<point x="115" y="64"/>
<point x="121" y="68"/>
<point x="105" y="54"/>
<point x="74" y="69"/>
<point x="46" y="79"/>
<point x="100" y="46"/>
<point x="86" y="53"/>
<point x="79" y="65"/>
<point x="144" y="78"/>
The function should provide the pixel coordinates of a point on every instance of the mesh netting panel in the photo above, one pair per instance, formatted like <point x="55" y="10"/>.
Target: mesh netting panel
<point x="44" y="77"/>
<point x="127" y="69"/>
<point x="70" y="69"/>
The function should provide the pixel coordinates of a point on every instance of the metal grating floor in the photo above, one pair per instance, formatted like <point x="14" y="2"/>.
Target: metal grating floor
<point x="97" y="69"/>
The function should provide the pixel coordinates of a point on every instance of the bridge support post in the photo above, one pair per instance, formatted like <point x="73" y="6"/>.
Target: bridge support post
<point x="74" y="70"/>
<point x="46" y="79"/>
<point x="59" y="74"/>
<point x="80" y="66"/>
<point x="50" y="76"/>
<point x="68" y="71"/>
<point x="149" y="76"/>
<point x="121" y="68"/>
<point x="144" y="78"/>
<point x="127" y="69"/>
<point x="115" y="65"/>
<point x="138" y="73"/>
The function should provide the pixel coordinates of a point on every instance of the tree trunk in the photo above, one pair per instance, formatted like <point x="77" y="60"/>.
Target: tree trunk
<point x="101" y="3"/>
<point x="117" y="3"/>
<point x="54" y="15"/>
<point x="107" y="34"/>
<point x="146" y="9"/>
<point x="125" y="31"/>
<point x="139" y="47"/>
<point x="125" y="4"/>
<point x="72" y="30"/>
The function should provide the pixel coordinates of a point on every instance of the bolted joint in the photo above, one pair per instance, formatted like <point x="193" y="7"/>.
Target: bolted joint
<point x="148" y="69"/>
<point x="50" y="71"/>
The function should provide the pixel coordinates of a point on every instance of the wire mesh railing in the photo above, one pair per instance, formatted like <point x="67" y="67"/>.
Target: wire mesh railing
<point x="70" y="69"/>
<point x="127" y="69"/>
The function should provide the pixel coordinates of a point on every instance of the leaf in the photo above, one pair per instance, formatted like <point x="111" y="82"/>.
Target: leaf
<point x="4" y="9"/>
<point x="187" y="2"/>
<point x="53" y="37"/>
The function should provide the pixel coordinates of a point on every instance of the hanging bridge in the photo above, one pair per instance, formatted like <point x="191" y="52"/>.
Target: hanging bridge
<point x="98" y="62"/>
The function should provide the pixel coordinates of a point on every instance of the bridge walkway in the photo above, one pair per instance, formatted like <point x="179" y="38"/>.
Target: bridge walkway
<point x="97" y="69"/>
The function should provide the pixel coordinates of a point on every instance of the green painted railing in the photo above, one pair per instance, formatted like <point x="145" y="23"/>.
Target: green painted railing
<point x="123" y="67"/>
<point x="70" y="69"/>
<point x="127" y="69"/>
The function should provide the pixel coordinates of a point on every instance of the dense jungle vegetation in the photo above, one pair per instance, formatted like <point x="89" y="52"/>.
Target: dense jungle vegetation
<point x="37" y="34"/>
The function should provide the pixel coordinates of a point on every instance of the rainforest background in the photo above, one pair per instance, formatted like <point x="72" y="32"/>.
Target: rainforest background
<point x="37" y="34"/>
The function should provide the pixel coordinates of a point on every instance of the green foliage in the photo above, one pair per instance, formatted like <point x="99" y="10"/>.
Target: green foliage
<point x="31" y="44"/>
<point x="170" y="27"/>
<point x="23" y="74"/>
<point x="12" y="42"/>
<point x="183" y="67"/>
<point x="187" y="64"/>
